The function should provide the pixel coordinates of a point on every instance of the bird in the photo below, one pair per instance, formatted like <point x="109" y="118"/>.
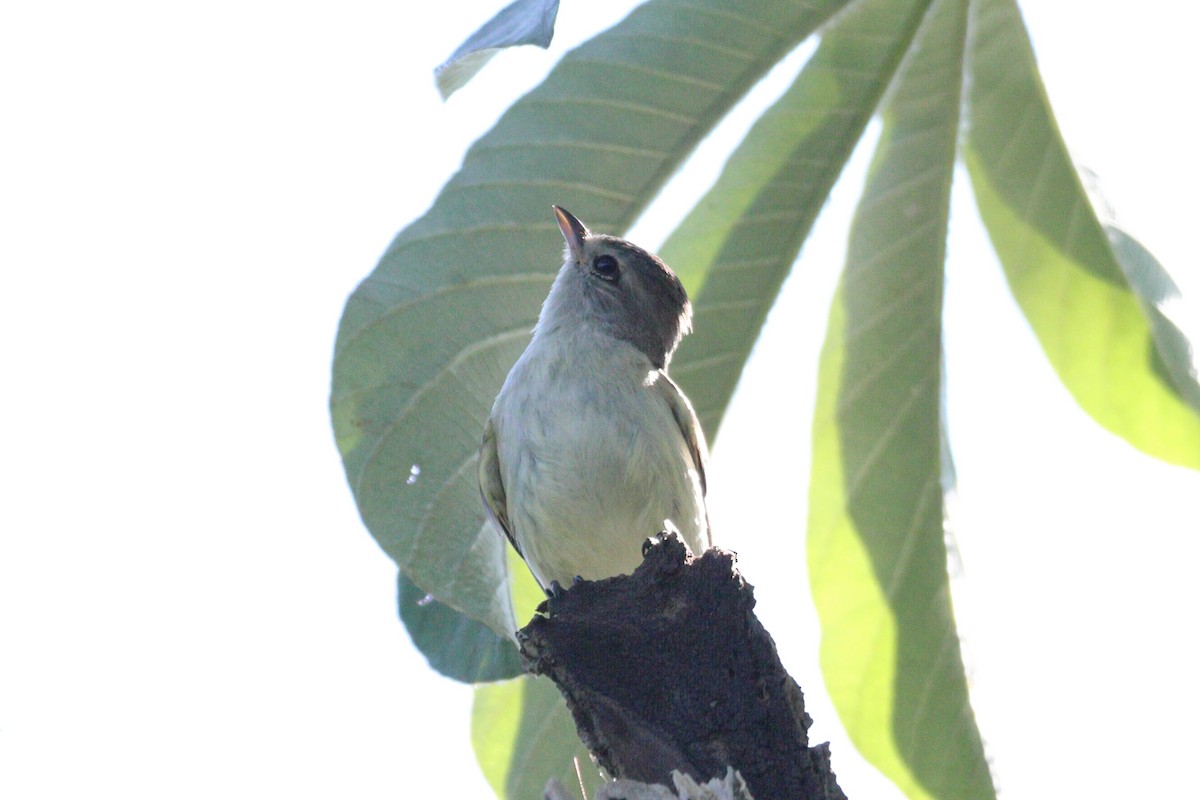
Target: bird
<point x="590" y="447"/>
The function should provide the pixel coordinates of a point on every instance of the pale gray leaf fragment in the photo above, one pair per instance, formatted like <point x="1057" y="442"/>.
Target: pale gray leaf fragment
<point x="520" y="22"/>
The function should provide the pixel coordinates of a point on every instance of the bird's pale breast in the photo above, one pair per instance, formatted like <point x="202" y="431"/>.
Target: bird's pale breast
<point x="599" y="465"/>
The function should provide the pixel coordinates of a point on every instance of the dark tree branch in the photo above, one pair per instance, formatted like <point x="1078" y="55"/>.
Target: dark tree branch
<point x="669" y="669"/>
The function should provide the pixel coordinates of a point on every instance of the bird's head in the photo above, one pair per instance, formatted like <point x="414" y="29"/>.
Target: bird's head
<point x="625" y="290"/>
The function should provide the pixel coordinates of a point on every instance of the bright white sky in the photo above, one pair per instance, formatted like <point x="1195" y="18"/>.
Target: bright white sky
<point x="189" y="605"/>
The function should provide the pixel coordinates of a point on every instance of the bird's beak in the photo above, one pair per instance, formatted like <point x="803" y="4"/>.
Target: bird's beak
<point x="572" y="229"/>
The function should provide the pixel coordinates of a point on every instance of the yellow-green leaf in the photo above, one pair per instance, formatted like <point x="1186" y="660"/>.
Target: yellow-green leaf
<point x="1059" y="263"/>
<point x="523" y="736"/>
<point x="877" y="560"/>
<point x="734" y="249"/>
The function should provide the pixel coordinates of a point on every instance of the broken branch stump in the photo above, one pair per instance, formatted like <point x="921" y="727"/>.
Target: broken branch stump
<point x="669" y="669"/>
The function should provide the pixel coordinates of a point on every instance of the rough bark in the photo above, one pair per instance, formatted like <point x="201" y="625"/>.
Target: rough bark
<point x="669" y="669"/>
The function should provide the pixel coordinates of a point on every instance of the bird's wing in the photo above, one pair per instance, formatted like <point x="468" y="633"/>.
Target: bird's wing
<point x="491" y="486"/>
<point x="689" y="426"/>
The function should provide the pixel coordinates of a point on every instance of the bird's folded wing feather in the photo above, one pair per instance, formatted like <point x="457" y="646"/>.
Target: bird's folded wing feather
<point x="689" y="426"/>
<point x="491" y="486"/>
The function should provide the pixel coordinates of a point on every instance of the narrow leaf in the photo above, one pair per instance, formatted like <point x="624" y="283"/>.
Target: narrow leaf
<point x="877" y="559"/>
<point x="1058" y="261"/>
<point x="523" y="736"/>
<point x="520" y="22"/>
<point x="427" y="339"/>
<point x="734" y="249"/>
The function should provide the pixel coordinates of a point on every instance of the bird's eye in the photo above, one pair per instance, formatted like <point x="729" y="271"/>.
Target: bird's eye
<point x="605" y="267"/>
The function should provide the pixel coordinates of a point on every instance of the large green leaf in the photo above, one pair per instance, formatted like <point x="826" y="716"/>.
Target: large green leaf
<point x="458" y="646"/>
<point x="455" y="645"/>
<point x="426" y="340"/>
<point x="740" y="241"/>
<point x="877" y="558"/>
<point x="1059" y="263"/>
<point x="523" y="735"/>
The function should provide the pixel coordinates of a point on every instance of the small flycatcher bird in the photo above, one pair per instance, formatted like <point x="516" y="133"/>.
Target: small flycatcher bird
<point x="590" y="447"/>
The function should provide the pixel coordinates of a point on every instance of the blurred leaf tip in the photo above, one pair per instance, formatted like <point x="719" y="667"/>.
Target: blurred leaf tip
<point x="520" y="22"/>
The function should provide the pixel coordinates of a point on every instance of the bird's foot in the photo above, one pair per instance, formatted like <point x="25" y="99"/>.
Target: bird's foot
<point x="556" y="590"/>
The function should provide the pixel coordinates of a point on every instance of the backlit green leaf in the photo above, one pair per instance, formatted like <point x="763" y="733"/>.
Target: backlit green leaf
<point x="1058" y="261"/>
<point x="523" y="736"/>
<point x="738" y="244"/>
<point x="877" y="559"/>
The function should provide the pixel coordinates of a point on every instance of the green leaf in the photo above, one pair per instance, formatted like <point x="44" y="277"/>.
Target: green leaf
<point x="456" y="646"/>
<point x="520" y="22"/>
<point x="427" y="339"/>
<point x="877" y="559"/>
<point x="459" y="647"/>
<point x="1163" y="305"/>
<point x="1059" y="263"/>
<point x="527" y="595"/>
<point x="523" y="736"/>
<point x="734" y="249"/>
